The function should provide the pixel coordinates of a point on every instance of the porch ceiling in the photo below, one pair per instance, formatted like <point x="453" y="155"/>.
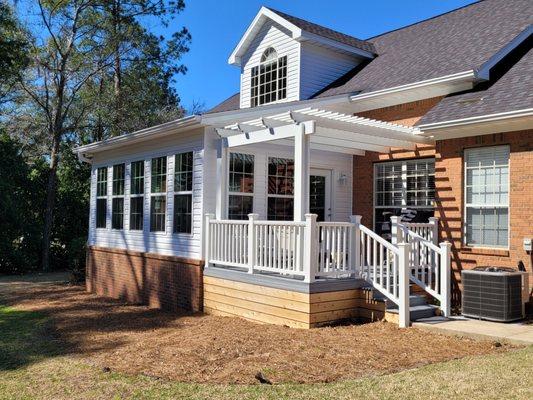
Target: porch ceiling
<point x="329" y="130"/>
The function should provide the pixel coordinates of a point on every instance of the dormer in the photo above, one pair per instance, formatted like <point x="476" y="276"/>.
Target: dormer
<point x="284" y="58"/>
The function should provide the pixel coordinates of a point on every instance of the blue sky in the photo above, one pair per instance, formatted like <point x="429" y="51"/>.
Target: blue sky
<point x="216" y="27"/>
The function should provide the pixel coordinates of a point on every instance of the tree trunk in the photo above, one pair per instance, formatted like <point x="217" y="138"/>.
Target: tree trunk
<point x="117" y="78"/>
<point x="50" y="202"/>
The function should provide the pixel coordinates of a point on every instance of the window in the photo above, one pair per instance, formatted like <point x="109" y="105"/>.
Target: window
<point x="403" y="188"/>
<point x="101" y="197"/>
<point x="117" y="202"/>
<point x="269" y="79"/>
<point x="241" y="185"/>
<point x="487" y="196"/>
<point x="280" y="189"/>
<point x="158" y="187"/>
<point x="137" y="196"/>
<point x="183" y="192"/>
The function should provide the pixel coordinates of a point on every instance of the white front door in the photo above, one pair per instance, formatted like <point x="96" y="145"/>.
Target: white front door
<point x="320" y="193"/>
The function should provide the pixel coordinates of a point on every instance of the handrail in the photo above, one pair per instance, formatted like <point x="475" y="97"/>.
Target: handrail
<point x="420" y="238"/>
<point x="379" y="239"/>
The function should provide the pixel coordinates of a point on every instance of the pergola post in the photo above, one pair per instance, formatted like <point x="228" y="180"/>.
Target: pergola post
<point x="222" y="181"/>
<point x="301" y="173"/>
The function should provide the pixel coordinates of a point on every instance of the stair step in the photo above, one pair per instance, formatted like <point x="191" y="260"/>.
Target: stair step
<point x="417" y="312"/>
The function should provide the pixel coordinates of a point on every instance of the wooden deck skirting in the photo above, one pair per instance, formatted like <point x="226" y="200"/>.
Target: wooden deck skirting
<point x="295" y="309"/>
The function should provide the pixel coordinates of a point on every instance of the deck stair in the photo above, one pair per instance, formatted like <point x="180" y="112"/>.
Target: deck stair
<point x="419" y="308"/>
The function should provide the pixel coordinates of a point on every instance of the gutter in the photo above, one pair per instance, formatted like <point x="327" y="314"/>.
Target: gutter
<point x="528" y="112"/>
<point x="85" y="152"/>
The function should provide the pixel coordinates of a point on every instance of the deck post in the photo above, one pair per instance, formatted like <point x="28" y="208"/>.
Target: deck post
<point x="207" y="239"/>
<point x="222" y="181"/>
<point x="445" y="277"/>
<point x="403" y="282"/>
<point x="252" y="250"/>
<point x="301" y="172"/>
<point x="355" y="244"/>
<point x="396" y="231"/>
<point x="310" y="245"/>
<point x="434" y="230"/>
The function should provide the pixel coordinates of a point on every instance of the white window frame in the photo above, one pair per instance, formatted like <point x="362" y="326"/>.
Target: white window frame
<point x="183" y="192"/>
<point x="474" y="205"/>
<point x="229" y="192"/>
<point x="255" y="100"/>
<point x="99" y="197"/>
<point x="118" y="196"/>
<point x="159" y="194"/>
<point x="136" y="195"/>
<point x="273" y="195"/>
<point x="404" y="204"/>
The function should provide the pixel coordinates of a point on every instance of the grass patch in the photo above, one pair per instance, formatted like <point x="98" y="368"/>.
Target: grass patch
<point x="487" y="377"/>
<point x="23" y="338"/>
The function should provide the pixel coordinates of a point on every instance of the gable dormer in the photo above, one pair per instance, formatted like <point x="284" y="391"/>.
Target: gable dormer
<point x="284" y="58"/>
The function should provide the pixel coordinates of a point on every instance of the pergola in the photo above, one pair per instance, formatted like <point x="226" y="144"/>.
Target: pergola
<point x="313" y="128"/>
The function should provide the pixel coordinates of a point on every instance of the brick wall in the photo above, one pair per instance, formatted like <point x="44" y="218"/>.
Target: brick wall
<point x="449" y="182"/>
<point x="165" y="282"/>
<point x="363" y="166"/>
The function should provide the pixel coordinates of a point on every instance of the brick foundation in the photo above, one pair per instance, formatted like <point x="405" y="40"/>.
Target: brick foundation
<point x="159" y="281"/>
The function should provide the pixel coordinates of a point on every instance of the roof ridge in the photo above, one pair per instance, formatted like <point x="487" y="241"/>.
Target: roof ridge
<point x="476" y="2"/>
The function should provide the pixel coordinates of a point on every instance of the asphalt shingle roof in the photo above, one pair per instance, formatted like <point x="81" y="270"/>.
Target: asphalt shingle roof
<point x="512" y="92"/>
<point x="327" y="32"/>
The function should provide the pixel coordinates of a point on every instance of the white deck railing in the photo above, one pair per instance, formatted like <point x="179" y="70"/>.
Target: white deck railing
<point x="334" y="249"/>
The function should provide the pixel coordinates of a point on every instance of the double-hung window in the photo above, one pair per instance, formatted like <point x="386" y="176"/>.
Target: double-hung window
<point x="101" y="197"/>
<point x="137" y="195"/>
<point x="269" y="79"/>
<point x="487" y="196"/>
<point x="158" y="194"/>
<point x="280" y="189"/>
<point x="183" y="174"/>
<point x="241" y="185"/>
<point x="403" y="188"/>
<point x="117" y="203"/>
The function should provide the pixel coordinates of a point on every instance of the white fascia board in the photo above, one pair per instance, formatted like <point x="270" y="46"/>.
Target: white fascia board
<point x="469" y="75"/>
<point x="224" y="118"/>
<point x="182" y="124"/>
<point x="333" y="44"/>
<point x="528" y="112"/>
<point x="261" y="17"/>
<point x="484" y="70"/>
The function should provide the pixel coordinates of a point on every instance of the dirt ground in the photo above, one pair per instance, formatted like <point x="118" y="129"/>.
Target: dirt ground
<point x="202" y="348"/>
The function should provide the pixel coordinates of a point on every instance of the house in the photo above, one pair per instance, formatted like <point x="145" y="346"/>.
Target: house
<point x="348" y="178"/>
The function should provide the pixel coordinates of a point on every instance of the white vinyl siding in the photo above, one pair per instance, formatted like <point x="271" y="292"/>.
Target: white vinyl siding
<point x="271" y="35"/>
<point x="487" y="196"/>
<point x="184" y="245"/>
<point x="320" y="66"/>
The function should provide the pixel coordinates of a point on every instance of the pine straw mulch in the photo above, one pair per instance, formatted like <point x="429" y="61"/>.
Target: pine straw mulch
<point x="202" y="348"/>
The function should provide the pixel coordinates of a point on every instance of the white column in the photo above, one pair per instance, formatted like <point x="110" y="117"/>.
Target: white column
<point x="355" y="245"/>
<point x="301" y="173"/>
<point x="403" y="283"/>
<point x="310" y="245"/>
<point x="396" y="231"/>
<point x="445" y="277"/>
<point x="222" y="180"/>
<point x="251" y="242"/>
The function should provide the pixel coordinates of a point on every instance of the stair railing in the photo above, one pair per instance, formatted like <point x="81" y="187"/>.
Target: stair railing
<point x="385" y="266"/>
<point x="429" y="263"/>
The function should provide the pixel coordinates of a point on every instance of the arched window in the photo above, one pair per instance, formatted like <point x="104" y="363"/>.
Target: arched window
<point x="269" y="79"/>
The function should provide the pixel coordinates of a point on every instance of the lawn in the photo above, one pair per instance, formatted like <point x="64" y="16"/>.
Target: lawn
<point x="57" y="342"/>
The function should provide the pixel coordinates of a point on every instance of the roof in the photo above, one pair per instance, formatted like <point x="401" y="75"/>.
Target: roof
<point x="451" y="43"/>
<point x="231" y="103"/>
<point x="511" y="92"/>
<point x="447" y="44"/>
<point x="326" y="32"/>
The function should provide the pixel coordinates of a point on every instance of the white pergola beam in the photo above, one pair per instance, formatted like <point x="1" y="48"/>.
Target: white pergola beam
<point x="265" y="135"/>
<point x="362" y="138"/>
<point x="325" y="147"/>
<point x="350" y="144"/>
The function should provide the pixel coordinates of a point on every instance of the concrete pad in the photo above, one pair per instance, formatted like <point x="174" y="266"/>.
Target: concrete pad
<point x="513" y="332"/>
